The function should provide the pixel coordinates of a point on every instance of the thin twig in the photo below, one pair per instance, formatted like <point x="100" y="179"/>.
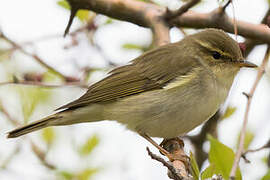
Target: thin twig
<point x="222" y="12"/>
<point x="226" y="5"/>
<point x="41" y="156"/>
<point x="175" y="175"/>
<point x="267" y="145"/>
<point x="15" y="46"/>
<point x="73" y="12"/>
<point x="37" y="151"/>
<point x="35" y="56"/>
<point x="249" y="96"/>
<point x="181" y="10"/>
<point x="54" y="36"/>
<point x="34" y="83"/>
<point x="8" y="116"/>
<point x="10" y="157"/>
<point x="234" y="21"/>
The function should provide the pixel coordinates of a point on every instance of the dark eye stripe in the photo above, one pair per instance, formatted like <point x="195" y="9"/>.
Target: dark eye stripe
<point x="216" y="55"/>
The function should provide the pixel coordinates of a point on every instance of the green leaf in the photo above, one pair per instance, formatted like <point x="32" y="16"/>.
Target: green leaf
<point x="4" y="54"/>
<point x="132" y="46"/>
<point x="86" y="174"/>
<point x="66" y="175"/>
<point x="129" y="46"/>
<point x="265" y="160"/>
<point x="194" y="166"/>
<point x="220" y="2"/>
<point x="89" y="145"/>
<point x="82" y="14"/>
<point x="30" y="97"/>
<point x="109" y="21"/>
<point x="248" y="139"/>
<point x="208" y="172"/>
<point x="229" y="112"/>
<point x="267" y="175"/>
<point x="51" y="76"/>
<point x="48" y="135"/>
<point x="221" y="159"/>
<point x="64" y="4"/>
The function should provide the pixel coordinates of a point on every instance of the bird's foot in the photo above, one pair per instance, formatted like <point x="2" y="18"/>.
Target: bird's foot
<point x="160" y="148"/>
<point x="175" y="148"/>
<point x="171" y="148"/>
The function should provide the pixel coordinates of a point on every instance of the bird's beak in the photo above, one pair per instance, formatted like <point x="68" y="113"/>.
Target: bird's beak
<point x="244" y="63"/>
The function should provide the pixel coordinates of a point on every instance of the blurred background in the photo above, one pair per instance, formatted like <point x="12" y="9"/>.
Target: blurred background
<point x="33" y="51"/>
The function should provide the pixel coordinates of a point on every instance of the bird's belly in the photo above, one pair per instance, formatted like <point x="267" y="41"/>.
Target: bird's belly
<point x="164" y="115"/>
<point x="178" y="119"/>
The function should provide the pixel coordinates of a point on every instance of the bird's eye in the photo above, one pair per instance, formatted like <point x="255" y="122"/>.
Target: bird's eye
<point x="216" y="55"/>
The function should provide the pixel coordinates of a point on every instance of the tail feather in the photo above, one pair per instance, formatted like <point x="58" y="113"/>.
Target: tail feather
<point x="31" y="127"/>
<point x="65" y="117"/>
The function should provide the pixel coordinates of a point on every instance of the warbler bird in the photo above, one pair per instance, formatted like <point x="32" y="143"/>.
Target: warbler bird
<point x="165" y="92"/>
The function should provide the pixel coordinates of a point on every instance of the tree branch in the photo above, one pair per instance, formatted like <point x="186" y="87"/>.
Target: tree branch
<point x="143" y="14"/>
<point x="249" y="97"/>
<point x="137" y="12"/>
<point x="181" y="10"/>
<point x="218" y="19"/>
<point x="176" y="175"/>
<point x="251" y="43"/>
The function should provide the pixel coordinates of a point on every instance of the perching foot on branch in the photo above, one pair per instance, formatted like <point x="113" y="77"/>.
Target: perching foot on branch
<point x="175" y="146"/>
<point x="179" y="163"/>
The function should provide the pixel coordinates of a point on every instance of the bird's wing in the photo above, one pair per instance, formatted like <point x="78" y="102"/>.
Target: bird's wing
<point x="152" y="70"/>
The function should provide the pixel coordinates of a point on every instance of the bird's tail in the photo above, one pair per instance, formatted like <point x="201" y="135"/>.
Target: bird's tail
<point x="43" y="123"/>
<point x="65" y="117"/>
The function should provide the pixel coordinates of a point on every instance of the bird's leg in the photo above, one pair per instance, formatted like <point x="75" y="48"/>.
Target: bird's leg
<point x="161" y="149"/>
<point x="175" y="147"/>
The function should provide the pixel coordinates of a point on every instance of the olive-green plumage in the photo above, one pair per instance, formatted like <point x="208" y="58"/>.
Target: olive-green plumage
<point x="165" y="92"/>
